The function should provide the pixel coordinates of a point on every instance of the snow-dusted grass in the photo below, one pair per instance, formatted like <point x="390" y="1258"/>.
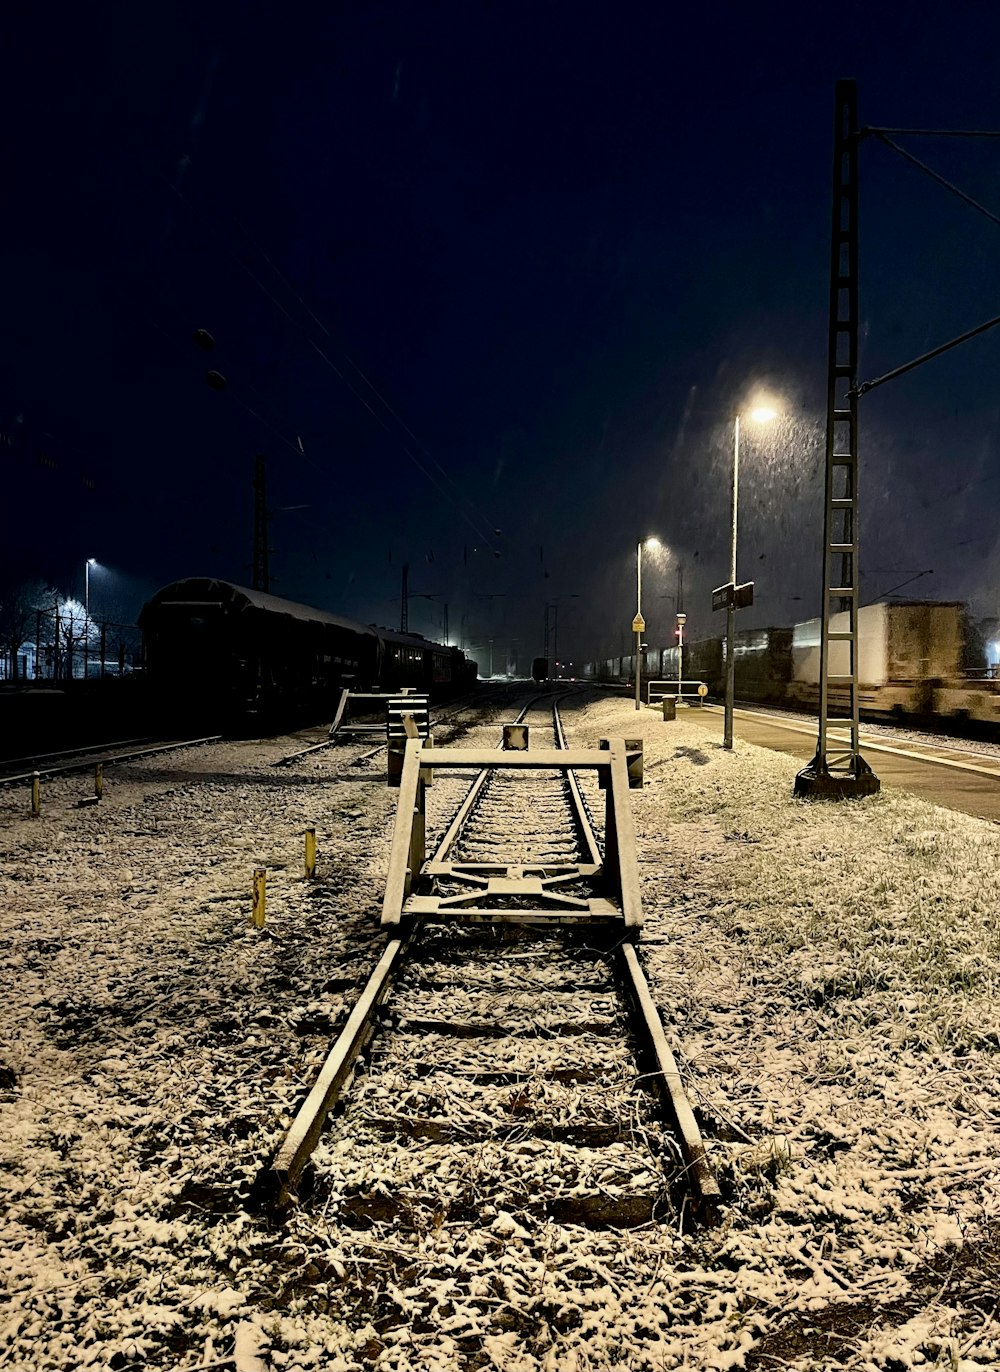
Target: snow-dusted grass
<point x="828" y="976"/>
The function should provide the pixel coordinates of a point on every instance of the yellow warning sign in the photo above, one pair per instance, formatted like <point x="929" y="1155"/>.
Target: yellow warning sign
<point x="638" y="625"/>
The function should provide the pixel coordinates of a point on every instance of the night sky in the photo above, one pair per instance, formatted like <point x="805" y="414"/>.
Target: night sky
<point x="488" y="267"/>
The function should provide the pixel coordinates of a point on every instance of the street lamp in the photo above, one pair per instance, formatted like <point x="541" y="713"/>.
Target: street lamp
<point x="638" y="624"/>
<point x="762" y="414"/>
<point x="90" y="562"/>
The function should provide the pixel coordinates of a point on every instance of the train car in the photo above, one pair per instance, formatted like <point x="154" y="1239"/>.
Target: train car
<point x="216" y="652"/>
<point x="226" y="656"/>
<point x="412" y="660"/>
<point x="912" y="662"/>
<point x="905" y="650"/>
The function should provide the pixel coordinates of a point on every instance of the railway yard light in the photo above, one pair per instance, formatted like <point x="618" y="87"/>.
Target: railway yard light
<point x="90" y="562"/>
<point x="639" y="624"/>
<point x="760" y="414"/>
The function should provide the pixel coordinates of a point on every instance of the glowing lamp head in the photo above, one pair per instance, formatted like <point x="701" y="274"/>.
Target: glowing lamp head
<point x="763" y="414"/>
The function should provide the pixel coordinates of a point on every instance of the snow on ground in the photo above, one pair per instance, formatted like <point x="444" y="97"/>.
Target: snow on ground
<point x="828" y="975"/>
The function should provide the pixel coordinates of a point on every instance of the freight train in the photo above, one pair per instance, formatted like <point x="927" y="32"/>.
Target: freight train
<point x="917" y="660"/>
<point x="229" y="657"/>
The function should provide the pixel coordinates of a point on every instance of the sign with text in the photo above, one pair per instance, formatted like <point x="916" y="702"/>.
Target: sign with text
<point x="740" y="597"/>
<point x="638" y="625"/>
<point x="722" y="596"/>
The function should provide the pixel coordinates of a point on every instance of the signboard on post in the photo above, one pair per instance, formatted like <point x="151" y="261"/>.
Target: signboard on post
<point x="740" y="597"/>
<point x="722" y="596"/>
<point x="638" y="625"/>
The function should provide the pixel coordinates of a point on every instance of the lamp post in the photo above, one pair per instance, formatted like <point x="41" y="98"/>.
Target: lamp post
<point x="638" y="624"/>
<point x="681" y="621"/>
<point x="761" y="415"/>
<point x="90" y="562"/>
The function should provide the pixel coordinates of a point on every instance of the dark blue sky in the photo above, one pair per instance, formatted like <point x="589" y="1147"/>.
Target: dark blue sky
<point x="563" y="242"/>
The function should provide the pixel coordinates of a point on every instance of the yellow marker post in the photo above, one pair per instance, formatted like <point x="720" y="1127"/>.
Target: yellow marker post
<point x="36" y="795"/>
<point x="310" y="852"/>
<point x="259" y="896"/>
<point x="99" y="780"/>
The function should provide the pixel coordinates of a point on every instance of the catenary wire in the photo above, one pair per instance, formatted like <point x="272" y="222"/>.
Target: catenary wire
<point x="448" y="495"/>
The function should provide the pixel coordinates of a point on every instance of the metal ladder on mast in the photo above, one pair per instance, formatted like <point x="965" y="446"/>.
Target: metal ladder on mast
<point x="838" y="769"/>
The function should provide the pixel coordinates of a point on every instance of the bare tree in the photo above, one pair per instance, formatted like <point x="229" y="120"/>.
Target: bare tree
<point x="19" y="605"/>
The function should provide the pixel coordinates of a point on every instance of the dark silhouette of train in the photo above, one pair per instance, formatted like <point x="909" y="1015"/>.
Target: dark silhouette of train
<point x="231" y="658"/>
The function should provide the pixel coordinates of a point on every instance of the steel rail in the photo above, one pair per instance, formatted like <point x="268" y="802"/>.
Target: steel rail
<point x="277" y="1185"/>
<point x="332" y="742"/>
<point x="304" y="752"/>
<point x="581" y="814"/>
<point x="109" y="761"/>
<point x="319" y="747"/>
<point x="36" y="758"/>
<point x="665" y="1080"/>
<point x="461" y="815"/>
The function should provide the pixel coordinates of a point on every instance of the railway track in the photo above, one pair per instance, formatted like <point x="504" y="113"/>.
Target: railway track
<point x="441" y="716"/>
<point x="504" y="1067"/>
<point x="82" y="759"/>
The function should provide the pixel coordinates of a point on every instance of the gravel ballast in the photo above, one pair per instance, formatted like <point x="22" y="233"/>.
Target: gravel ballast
<point x="829" y="976"/>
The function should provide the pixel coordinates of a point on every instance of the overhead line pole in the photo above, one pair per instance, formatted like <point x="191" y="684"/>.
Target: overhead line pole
<point x="838" y="769"/>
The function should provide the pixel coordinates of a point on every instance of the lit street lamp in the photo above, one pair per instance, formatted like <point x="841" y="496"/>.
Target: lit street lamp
<point x="761" y="415"/>
<point x="638" y="624"/>
<point x="90" y="562"/>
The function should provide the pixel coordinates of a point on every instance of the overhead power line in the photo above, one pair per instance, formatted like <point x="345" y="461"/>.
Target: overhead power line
<point x="936" y="176"/>
<point x="367" y="381"/>
<point x="475" y="521"/>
